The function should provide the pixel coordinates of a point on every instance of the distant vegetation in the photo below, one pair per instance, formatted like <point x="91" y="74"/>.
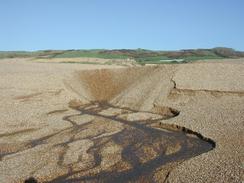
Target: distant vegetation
<point x="140" y="55"/>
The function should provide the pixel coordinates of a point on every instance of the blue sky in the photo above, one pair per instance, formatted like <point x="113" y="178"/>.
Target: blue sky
<point x="113" y="24"/>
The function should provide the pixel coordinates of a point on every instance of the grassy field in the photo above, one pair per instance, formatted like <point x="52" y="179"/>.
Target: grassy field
<point x="90" y="54"/>
<point x="141" y="56"/>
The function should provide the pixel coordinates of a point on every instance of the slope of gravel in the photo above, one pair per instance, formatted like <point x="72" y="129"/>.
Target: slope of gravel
<point x="211" y="100"/>
<point x="36" y="122"/>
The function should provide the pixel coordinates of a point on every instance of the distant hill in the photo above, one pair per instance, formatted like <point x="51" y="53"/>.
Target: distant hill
<point x="140" y="55"/>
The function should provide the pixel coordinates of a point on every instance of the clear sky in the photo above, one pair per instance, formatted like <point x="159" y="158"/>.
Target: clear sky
<point x="113" y="24"/>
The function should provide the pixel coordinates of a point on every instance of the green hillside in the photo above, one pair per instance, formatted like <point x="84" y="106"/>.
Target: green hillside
<point x="140" y="55"/>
